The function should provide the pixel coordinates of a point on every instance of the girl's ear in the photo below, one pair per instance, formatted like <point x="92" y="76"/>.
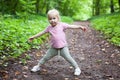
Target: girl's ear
<point x="59" y="18"/>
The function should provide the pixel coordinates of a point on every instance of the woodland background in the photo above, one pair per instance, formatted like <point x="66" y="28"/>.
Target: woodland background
<point x="86" y="8"/>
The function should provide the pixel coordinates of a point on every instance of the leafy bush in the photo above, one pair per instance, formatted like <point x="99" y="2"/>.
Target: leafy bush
<point x="109" y="25"/>
<point x="66" y="19"/>
<point x="16" y="31"/>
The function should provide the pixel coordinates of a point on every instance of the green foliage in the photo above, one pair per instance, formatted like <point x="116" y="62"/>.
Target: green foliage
<point x="85" y="10"/>
<point x="66" y="19"/>
<point x="26" y="6"/>
<point x="15" y="32"/>
<point x="66" y="7"/>
<point x="78" y="9"/>
<point x="109" y="25"/>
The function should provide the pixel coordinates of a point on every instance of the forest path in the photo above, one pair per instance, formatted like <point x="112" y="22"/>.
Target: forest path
<point x="97" y="59"/>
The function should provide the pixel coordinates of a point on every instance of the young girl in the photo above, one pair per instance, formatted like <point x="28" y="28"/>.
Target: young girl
<point x="58" y="41"/>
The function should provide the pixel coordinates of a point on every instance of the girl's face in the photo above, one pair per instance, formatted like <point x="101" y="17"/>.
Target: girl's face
<point x="53" y="20"/>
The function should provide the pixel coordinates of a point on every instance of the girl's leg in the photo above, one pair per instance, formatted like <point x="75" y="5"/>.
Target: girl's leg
<point x="49" y="54"/>
<point x="65" y="53"/>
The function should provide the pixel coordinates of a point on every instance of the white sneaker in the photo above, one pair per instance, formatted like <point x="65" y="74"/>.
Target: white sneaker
<point x="35" y="68"/>
<point x="77" y="71"/>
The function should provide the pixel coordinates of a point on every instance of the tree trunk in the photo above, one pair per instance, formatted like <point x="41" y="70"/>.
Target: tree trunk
<point x="14" y="7"/>
<point x="112" y="6"/>
<point x="97" y="7"/>
<point x="2" y="8"/>
<point x="47" y="6"/>
<point x="93" y="8"/>
<point x="119" y="4"/>
<point x="37" y="6"/>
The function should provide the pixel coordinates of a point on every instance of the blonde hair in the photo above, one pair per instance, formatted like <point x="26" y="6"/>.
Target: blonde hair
<point x="53" y="12"/>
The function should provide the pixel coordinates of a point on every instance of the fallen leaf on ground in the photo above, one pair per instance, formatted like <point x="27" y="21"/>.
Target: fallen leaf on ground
<point x="111" y="78"/>
<point x="6" y="76"/>
<point x="106" y="62"/>
<point x="25" y="67"/>
<point x="44" y="71"/>
<point x="113" y="55"/>
<point x="118" y="64"/>
<point x="77" y="78"/>
<point x="70" y="67"/>
<point x="38" y="54"/>
<point x="25" y="76"/>
<point x="17" y="72"/>
<point x="103" y="49"/>
<point x="66" y="78"/>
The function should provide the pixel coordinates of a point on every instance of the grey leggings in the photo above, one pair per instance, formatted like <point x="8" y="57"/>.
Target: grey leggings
<point x="64" y="52"/>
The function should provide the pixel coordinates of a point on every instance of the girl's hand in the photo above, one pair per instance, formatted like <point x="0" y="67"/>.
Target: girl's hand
<point x="84" y="28"/>
<point x="30" y="39"/>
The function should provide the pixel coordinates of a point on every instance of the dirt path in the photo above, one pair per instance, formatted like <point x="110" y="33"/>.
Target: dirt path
<point x="97" y="59"/>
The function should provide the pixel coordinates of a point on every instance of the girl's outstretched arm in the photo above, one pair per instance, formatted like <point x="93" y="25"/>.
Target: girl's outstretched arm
<point x="77" y="26"/>
<point x="35" y="36"/>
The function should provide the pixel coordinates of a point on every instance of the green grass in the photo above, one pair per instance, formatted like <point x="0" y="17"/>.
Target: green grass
<point x="109" y="25"/>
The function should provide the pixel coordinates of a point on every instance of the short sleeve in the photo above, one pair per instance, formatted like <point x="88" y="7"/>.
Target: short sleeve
<point x="65" y="26"/>
<point x="47" y="29"/>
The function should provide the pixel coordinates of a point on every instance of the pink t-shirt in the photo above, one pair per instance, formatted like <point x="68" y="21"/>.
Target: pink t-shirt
<point x="58" y="38"/>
